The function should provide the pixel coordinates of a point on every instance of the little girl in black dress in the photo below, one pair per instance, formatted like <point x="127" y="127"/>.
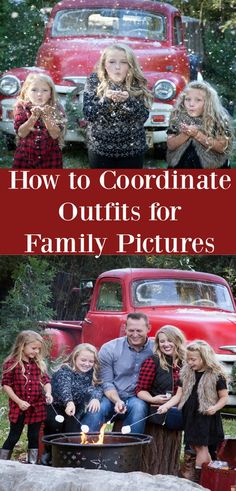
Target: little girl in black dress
<point x="201" y="395"/>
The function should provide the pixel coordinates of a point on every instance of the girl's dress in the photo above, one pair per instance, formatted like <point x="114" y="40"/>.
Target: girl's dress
<point x="28" y="387"/>
<point x="38" y="150"/>
<point x="115" y="130"/>
<point x="200" y="429"/>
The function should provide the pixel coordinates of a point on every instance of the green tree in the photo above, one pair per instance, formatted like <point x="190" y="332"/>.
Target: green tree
<point x="28" y="301"/>
<point x="21" y="31"/>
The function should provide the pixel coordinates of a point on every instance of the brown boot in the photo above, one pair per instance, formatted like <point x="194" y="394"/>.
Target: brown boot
<point x="5" y="454"/>
<point x="187" y="469"/>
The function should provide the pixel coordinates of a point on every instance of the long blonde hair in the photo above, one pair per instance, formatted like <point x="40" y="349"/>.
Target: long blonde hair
<point x="215" y="119"/>
<point x="17" y="351"/>
<point x="135" y="82"/>
<point x="174" y="335"/>
<point x="70" y="360"/>
<point x="207" y="355"/>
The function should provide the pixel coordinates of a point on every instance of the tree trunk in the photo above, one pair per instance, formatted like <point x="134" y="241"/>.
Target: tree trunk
<point x="162" y="455"/>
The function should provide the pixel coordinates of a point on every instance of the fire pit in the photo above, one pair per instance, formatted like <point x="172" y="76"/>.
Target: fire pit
<point x="119" y="453"/>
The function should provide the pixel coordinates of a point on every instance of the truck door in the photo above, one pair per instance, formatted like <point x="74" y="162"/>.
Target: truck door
<point x="106" y="317"/>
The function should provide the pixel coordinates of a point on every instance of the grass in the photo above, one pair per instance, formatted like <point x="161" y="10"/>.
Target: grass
<point x="21" y="447"/>
<point x="75" y="157"/>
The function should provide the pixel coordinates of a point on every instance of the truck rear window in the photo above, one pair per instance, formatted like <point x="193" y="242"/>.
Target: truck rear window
<point x="115" y="22"/>
<point x="109" y="296"/>
<point x="181" y="292"/>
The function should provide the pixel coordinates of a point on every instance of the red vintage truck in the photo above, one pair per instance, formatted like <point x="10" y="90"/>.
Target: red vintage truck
<point x="77" y="32"/>
<point x="200" y="304"/>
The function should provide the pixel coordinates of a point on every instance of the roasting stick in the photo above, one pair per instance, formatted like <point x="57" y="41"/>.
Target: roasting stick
<point x="127" y="429"/>
<point x="59" y="418"/>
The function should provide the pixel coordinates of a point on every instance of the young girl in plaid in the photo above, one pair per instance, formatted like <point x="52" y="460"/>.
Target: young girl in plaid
<point x="39" y="123"/>
<point x="28" y="387"/>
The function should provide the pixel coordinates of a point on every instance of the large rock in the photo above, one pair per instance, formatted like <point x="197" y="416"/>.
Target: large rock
<point x="15" y="476"/>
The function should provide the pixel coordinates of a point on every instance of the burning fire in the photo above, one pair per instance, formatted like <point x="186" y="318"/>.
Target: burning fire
<point x="84" y="439"/>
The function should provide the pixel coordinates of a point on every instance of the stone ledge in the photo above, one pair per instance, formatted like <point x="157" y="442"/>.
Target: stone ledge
<point x="15" y="476"/>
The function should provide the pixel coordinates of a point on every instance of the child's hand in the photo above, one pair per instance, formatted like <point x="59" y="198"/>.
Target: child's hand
<point x="94" y="406"/>
<point x="117" y="95"/>
<point x="49" y="398"/>
<point x="162" y="409"/>
<point x="23" y="405"/>
<point x="211" y="410"/>
<point x="70" y="408"/>
<point x="36" y="112"/>
<point x="189" y="130"/>
<point x="47" y="112"/>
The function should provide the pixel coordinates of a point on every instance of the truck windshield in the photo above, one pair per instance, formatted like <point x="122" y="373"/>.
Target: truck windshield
<point x="181" y="292"/>
<point x="114" y="22"/>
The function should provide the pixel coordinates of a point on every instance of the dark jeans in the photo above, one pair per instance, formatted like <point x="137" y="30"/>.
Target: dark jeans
<point x="16" y="430"/>
<point x="137" y="410"/>
<point x="97" y="161"/>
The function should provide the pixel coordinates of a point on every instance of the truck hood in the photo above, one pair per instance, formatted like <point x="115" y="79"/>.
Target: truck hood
<point x="78" y="57"/>
<point x="216" y="327"/>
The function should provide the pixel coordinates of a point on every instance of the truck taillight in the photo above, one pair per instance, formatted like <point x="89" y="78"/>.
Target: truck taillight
<point x="158" y="119"/>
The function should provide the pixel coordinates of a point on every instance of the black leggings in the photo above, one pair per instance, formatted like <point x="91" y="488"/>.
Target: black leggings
<point x="16" y="430"/>
<point x="97" y="161"/>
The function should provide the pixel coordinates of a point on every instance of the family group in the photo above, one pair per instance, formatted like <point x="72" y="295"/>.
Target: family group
<point x="116" y="105"/>
<point x="120" y="382"/>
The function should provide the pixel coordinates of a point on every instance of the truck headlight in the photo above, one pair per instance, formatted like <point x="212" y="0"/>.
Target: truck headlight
<point x="9" y="85"/>
<point x="164" y="90"/>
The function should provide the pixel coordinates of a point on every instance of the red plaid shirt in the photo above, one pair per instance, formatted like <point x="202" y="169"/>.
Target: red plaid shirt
<point x="28" y="387"/>
<point x="38" y="149"/>
<point x="147" y="376"/>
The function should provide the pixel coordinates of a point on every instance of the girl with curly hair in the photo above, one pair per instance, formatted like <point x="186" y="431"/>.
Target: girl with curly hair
<point x="200" y="135"/>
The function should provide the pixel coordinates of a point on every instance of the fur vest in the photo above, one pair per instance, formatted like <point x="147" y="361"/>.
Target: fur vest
<point x="209" y="159"/>
<point x="207" y="393"/>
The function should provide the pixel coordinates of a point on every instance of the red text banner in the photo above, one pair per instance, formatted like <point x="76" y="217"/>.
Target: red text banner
<point x="77" y="211"/>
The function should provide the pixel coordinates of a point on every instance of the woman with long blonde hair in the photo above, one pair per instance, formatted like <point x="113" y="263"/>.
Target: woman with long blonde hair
<point x="159" y="374"/>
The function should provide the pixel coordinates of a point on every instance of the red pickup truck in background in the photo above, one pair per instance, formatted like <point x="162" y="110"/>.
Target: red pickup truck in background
<point x="77" y="32"/>
<point x="200" y="304"/>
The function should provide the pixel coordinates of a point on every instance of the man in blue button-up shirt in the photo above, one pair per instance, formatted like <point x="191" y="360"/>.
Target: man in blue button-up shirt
<point x="120" y="361"/>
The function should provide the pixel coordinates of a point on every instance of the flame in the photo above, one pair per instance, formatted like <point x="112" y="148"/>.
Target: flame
<point x="101" y="434"/>
<point x="84" y="438"/>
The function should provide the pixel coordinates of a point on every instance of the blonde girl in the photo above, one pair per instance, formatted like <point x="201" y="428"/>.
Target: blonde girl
<point x="75" y="388"/>
<point x="116" y="106"/>
<point x="27" y="385"/>
<point x="200" y="133"/>
<point x="201" y="395"/>
<point x="159" y="374"/>
<point x="39" y="122"/>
